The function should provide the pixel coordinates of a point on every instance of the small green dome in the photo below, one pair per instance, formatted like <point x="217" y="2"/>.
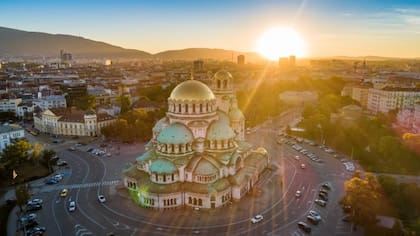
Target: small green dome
<point x="236" y="114"/>
<point x="146" y="156"/>
<point x="205" y="168"/>
<point x="175" y="133"/>
<point x="220" y="130"/>
<point x="160" y="125"/>
<point x="163" y="166"/>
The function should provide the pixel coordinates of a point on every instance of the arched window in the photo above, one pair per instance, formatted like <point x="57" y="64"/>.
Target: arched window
<point x="189" y="200"/>
<point x="193" y="108"/>
<point x="179" y="108"/>
<point x="218" y="84"/>
<point x="201" y="108"/>
<point x="195" y="201"/>
<point x="186" y="107"/>
<point x="200" y="202"/>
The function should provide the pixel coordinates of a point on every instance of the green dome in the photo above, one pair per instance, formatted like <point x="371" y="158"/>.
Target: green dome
<point x="192" y="90"/>
<point x="205" y="167"/>
<point x="160" y="125"/>
<point x="220" y="130"/>
<point x="175" y="133"/>
<point x="162" y="166"/>
<point x="236" y="114"/>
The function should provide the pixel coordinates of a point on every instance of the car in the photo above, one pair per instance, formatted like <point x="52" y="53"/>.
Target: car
<point x="326" y="186"/>
<point x="108" y="154"/>
<point x="101" y="198"/>
<point x="312" y="219"/>
<point x="323" y="196"/>
<point x="72" y="149"/>
<point x="346" y="218"/>
<point x="61" y="163"/>
<point x="305" y="227"/>
<point x="323" y="191"/>
<point x="37" y="230"/>
<point x="72" y="206"/>
<point x="312" y="143"/>
<point x="347" y="208"/>
<point x="30" y="224"/>
<point x="33" y="207"/>
<point x="297" y="157"/>
<point x="321" y="202"/>
<point x="58" y="177"/>
<point x="26" y="218"/>
<point x="303" y="166"/>
<point x="90" y="150"/>
<point x="257" y="219"/>
<point x="64" y="192"/>
<point x="315" y="214"/>
<point x="51" y="181"/>
<point x="35" y="201"/>
<point x="298" y="194"/>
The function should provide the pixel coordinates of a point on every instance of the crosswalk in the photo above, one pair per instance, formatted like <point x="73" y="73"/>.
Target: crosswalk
<point x="79" y="186"/>
<point x="343" y="228"/>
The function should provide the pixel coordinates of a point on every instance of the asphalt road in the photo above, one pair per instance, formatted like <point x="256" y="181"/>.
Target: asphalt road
<point x="274" y="197"/>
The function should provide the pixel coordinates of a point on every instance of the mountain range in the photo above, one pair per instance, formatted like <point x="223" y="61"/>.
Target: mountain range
<point x="19" y="43"/>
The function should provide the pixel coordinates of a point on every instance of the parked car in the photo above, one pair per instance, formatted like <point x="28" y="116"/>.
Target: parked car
<point x="315" y="214"/>
<point x="321" y="202"/>
<point x="324" y="191"/>
<point x="303" y="166"/>
<point x="326" y="186"/>
<point x="72" y="149"/>
<point x="298" y="194"/>
<point x="312" y="219"/>
<point x="257" y="219"/>
<point x="101" y="198"/>
<point x="347" y="209"/>
<point x="305" y="227"/>
<point x="35" y="201"/>
<point x="346" y="218"/>
<point x="26" y="218"/>
<point x="51" y="181"/>
<point x="33" y="207"/>
<point x="61" y="163"/>
<point x="72" y="206"/>
<point x="58" y="177"/>
<point x="323" y="196"/>
<point x="37" y="230"/>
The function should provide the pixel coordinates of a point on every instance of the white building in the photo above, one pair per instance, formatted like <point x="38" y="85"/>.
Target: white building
<point x="389" y="98"/>
<point x="197" y="157"/>
<point x="8" y="133"/>
<point x="69" y="121"/>
<point x="410" y="119"/>
<point x="52" y="101"/>
<point x="9" y="105"/>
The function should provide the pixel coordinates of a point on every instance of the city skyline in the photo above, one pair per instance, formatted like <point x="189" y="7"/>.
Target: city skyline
<point x="328" y="28"/>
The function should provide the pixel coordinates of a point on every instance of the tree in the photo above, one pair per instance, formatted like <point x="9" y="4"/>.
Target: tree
<point x="86" y="102"/>
<point x="23" y="194"/>
<point x="47" y="158"/>
<point x="36" y="151"/>
<point x="16" y="153"/>
<point x="124" y="103"/>
<point x="362" y="196"/>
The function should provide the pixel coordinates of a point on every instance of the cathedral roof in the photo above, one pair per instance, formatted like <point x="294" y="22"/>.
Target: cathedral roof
<point x="220" y="130"/>
<point x="192" y="90"/>
<point x="175" y="133"/>
<point x="161" y="124"/>
<point x="163" y="166"/>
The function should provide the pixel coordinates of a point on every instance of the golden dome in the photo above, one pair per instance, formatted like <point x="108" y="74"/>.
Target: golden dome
<point x="192" y="90"/>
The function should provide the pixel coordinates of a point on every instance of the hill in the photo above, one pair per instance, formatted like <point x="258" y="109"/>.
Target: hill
<point x="206" y="53"/>
<point x="23" y="43"/>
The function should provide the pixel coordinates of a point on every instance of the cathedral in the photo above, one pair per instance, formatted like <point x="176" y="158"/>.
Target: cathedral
<point x="198" y="156"/>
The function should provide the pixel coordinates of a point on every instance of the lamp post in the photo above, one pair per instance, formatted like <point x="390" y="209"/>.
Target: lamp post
<point x="322" y="134"/>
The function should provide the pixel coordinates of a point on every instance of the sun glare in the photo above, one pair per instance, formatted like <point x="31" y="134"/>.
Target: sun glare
<point x="280" y="42"/>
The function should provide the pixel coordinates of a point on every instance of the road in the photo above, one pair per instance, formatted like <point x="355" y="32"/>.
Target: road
<point x="274" y="197"/>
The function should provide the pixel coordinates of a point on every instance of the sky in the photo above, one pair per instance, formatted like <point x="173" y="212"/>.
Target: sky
<point x="328" y="27"/>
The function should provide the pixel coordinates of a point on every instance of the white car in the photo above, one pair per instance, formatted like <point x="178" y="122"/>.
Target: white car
<point x="303" y="166"/>
<point x="298" y="194"/>
<point x="297" y="157"/>
<point x="58" y="177"/>
<point x="101" y="198"/>
<point x="315" y="215"/>
<point x="72" y="206"/>
<point x="36" y="201"/>
<point x="257" y="219"/>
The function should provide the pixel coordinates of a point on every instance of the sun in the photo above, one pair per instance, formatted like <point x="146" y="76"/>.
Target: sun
<point x="280" y="42"/>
